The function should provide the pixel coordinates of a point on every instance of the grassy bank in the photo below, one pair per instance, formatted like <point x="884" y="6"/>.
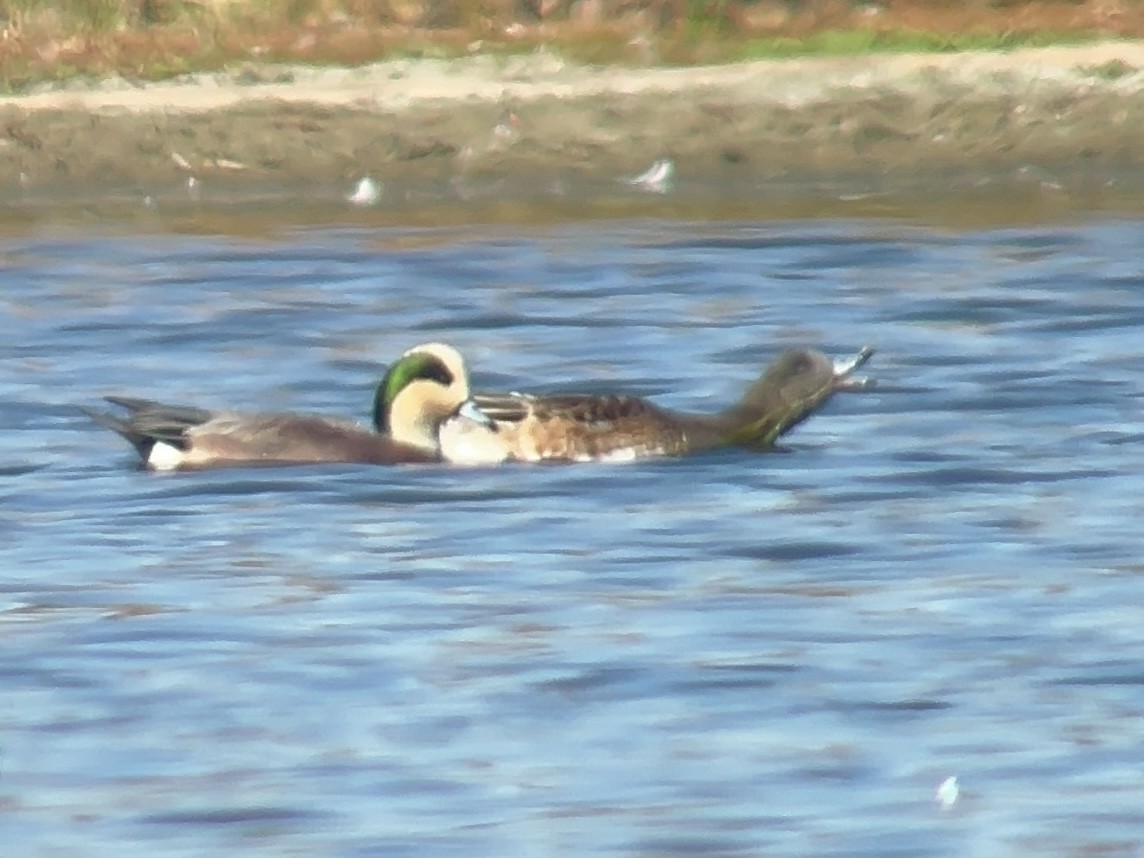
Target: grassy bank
<point x="154" y="39"/>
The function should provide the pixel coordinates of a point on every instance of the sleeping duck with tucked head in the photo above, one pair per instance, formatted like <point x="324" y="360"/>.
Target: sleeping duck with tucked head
<point x="424" y="390"/>
<point x="617" y="427"/>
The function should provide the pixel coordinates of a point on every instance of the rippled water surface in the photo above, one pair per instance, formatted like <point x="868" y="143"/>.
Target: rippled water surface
<point x="735" y="654"/>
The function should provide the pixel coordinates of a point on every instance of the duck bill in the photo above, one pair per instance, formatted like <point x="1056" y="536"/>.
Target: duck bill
<point x="470" y="411"/>
<point x="844" y="378"/>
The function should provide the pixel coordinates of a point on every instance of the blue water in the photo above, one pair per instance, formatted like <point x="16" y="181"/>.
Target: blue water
<point x="735" y="654"/>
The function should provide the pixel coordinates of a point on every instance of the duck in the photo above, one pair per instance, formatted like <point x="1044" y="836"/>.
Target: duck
<point x="426" y="388"/>
<point x="619" y="427"/>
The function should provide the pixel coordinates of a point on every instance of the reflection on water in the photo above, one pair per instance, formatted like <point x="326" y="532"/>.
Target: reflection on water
<point x="782" y="654"/>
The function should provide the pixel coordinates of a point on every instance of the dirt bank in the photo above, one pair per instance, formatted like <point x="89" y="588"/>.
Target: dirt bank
<point x="481" y="118"/>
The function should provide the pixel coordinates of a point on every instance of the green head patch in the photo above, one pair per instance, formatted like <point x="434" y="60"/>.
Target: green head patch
<point x="418" y="366"/>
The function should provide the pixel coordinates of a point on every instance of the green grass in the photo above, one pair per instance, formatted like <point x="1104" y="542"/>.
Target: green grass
<point x="1110" y="71"/>
<point x="848" y="43"/>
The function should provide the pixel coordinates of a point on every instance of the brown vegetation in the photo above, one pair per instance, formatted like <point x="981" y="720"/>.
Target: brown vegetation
<point x="148" y="39"/>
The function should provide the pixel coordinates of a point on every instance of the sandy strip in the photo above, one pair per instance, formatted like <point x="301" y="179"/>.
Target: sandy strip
<point x="770" y="118"/>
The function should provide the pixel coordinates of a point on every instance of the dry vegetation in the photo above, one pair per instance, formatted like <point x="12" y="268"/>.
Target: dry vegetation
<point x="150" y="39"/>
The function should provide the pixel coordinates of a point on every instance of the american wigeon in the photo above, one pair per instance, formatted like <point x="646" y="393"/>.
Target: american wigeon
<point x="424" y="389"/>
<point x="582" y="427"/>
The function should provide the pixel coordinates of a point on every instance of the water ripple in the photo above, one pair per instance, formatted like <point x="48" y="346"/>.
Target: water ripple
<point x="736" y="654"/>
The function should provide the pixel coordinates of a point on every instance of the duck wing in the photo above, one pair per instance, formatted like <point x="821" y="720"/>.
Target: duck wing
<point x="156" y="421"/>
<point x="205" y="438"/>
<point x="582" y="426"/>
<point x="588" y="409"/>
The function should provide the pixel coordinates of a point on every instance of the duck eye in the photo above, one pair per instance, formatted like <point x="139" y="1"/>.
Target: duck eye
<point x="801" y="364"/>
<point x="413" y="368"/>
<point x="422" y="368"/>
<point x="434" y="370"/>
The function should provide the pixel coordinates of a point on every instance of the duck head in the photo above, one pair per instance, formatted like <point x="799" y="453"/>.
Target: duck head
<point x="424" y="388"/>
<point x="794" y="386"/>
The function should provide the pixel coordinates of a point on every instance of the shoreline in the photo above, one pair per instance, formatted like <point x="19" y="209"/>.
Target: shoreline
<point x="472" y="121"/>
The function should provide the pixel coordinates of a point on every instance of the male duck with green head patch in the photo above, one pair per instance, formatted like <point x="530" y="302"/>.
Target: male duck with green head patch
<point x="617" y="427"/>
<point x="425" y="389"/>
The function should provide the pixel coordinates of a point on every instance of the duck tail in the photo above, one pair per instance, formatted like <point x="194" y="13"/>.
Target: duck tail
<point x="122" y="426"/>
<point x="148" y="422"/>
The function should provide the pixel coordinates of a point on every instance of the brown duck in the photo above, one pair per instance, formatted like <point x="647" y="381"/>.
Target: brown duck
<point x="616" y="427"/>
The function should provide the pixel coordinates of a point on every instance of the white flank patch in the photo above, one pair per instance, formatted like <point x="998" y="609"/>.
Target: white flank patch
<point x="624" y="454"/>
<point x="165" y="457"/>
